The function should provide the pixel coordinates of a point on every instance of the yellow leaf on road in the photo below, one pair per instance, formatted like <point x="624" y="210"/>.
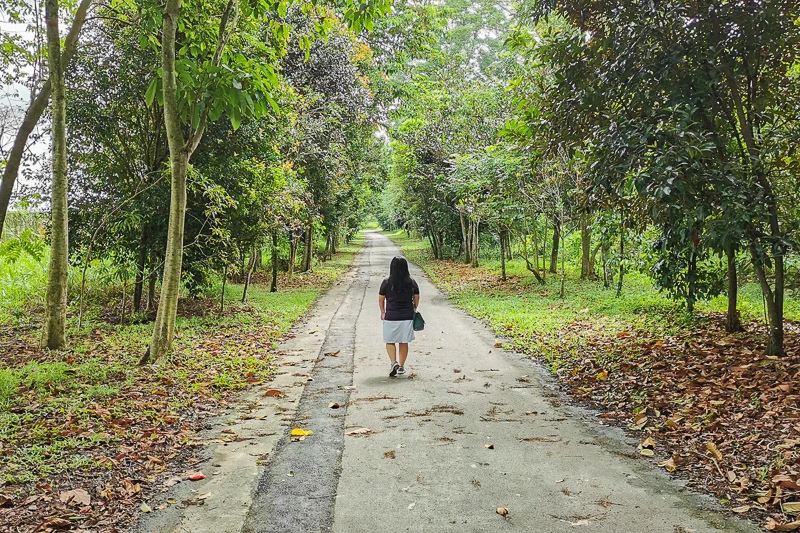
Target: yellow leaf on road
<point x="298" y="432"/>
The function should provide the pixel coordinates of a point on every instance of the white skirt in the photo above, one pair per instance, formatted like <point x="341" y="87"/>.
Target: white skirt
<point x="395" y="331"/>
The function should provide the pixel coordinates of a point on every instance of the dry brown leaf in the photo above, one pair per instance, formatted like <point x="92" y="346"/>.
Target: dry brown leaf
<point x="669" y="465"/>
<point x="389" y="455"/>
<point x="711" y="447"/>
<point x="649" y="443"/>
<point x="489" y="446"/>
<point x="772" y="525"/>
<point x="275" y="393"/>
<point x="791" y="507"/>
<point x="741" y="509"/>
<point x="56" y="523"/>
<point x="502" y="511"/>
<point x="334" y="405"/>
<point x="75" y="496"/>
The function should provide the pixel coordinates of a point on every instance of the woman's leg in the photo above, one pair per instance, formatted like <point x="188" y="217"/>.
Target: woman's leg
<point x="403" y="353"/>
<point x="390" y="349"/>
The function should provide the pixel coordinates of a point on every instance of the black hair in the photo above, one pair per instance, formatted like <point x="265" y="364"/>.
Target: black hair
<point x="399" y="276"/>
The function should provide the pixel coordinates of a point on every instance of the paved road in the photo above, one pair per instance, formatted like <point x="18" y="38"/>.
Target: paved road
<point x="425" y="466"/>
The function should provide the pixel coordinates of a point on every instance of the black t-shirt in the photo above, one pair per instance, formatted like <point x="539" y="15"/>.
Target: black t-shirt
<point x="399" y="305"/>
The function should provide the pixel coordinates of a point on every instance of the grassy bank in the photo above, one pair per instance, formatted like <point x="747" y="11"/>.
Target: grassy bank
<point x="90" y="418"/>
<point x="707" y="405"/>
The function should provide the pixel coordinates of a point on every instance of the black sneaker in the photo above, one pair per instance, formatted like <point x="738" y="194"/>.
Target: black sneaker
<point x="395" y="368"/>
<point x="401" y="371"/>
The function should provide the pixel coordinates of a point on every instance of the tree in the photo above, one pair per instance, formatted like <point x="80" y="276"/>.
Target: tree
<point x="53" y="334"/>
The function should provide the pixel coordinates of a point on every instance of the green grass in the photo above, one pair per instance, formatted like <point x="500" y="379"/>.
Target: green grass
<point x="529" y="308"/>
<point x="55" y="408"/>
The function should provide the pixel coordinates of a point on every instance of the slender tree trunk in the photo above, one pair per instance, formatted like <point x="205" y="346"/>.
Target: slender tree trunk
<point x="503" y="237"/>
<point x="535" y="247"/>
<point x="586" y="248"/>
<point x="621" y="258"/>
<point x="691" y="276"/>
<point x="53" y="335"/>
<point x="251" y="265"/>
<point x="34" y="113"/>
<point x="222" y="294"/>
<point x="124" y="302"/>
<point x="464" y="236"/>
<point x="593" y="262"/>
<point x="604" y="254"/>
<point x="141" y="264"/>
<point x="309" y="248"/>
<point x="563" y="273"/>
<point x="292" y="254"/>
<point x="732" y="324"/>
<point x="554" y="251"/>
<point x="274" y="286"/>
<point x="259" y="258"/>
<point x="179" y="154"/>
<point x="151" y="291"/>
<point x="476" y="233"/>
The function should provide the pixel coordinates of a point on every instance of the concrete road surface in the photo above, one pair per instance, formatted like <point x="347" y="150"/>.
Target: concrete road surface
<point x="469" y="429"/>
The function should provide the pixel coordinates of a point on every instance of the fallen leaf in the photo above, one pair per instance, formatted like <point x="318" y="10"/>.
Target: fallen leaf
<point x="791" y="507"/>
<point x="647" y="452"/>
<point x="489" y="446"/>
<point x="196" y="476"/>
<point x="648" y="443"/>
<point x="766" y="497"/>
<point x="298" y="432"/>
<point x="275" y="393"/>
<point x="146" y="508"/>
<point x="602" y="376"/>
<point x="502" y="511"/>
<point x="498" y="345"/>
<point x="76" y="496"/>
<point x="5" y="501"/>
<point x="669" y="465"/>
<point x="56" y="523"/>
<point x="772" y="525"/>
<point x="333" y="354"/>
<point x="741" y="509"/>
<point x="358" y="431"/>
<point x="389" y="455"/>
<point x="711" y="447"/>
<point x="334" y="405"/>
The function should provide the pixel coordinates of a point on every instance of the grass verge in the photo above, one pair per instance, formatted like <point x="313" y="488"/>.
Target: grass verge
<point x="89" y="419"/>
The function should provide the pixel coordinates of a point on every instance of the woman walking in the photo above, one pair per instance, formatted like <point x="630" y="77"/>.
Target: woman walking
<point x="398" y="299"/>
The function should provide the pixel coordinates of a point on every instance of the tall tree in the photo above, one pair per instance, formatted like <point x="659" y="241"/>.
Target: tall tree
<point x="53" y="334"/>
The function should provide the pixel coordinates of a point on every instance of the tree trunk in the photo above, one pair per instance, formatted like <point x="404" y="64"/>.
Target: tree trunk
<point x="309" y="248"/>
<point x="251" y="265"/>
<point x="503" y="237"/>
<point x="274" y="286"/>
<point x="535" y="248"/>
<point x="621" y="258"/>
<point x="222" y="294"/>
<point x="53" y="335"/>
<point x="179" y="154"/>
<point x="691" y="277"/>
<point x="464" y="236"/>
<point x="593" y="262"/>
<point x="141" y="264"/>
<point x="554" y="251"/>
<point x="151" y="291"/>
<point x="732" y="324"/>
<point x="476" y="233"/>
<point x="34" y="113"/>
<point x="604" y="255"/>
<point x="293" y="238"/>
<point x="586" y="248"/>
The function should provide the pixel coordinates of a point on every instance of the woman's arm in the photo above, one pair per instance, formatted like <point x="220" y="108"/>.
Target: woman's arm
<point x="382" y="305"/>
<point x="416" y="301"/>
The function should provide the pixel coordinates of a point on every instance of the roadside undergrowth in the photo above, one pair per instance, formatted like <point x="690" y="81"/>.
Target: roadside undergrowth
<point x="86" y="434"/>
<point x="705" y="405"/>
